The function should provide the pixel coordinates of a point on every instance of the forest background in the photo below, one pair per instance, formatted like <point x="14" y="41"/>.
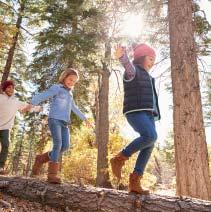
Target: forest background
<point x="55" y="34"/>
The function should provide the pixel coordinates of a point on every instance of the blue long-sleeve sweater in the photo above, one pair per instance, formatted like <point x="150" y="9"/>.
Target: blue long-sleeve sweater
<point x="62" y="102"/>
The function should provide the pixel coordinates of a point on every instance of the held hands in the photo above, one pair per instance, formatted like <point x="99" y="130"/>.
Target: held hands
<point x="31" y="108"/>
<point x="27" y="108"/>
<point x="36" y="109"/>
<point x="119" y="51"/>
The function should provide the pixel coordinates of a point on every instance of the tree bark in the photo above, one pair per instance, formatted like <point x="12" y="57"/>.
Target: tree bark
<point x="75" y="198"/>
<point x="191" y="155"/>
<point x="97" y="96"/>
<point x="102" y="136"/>
<point x="29" y="158"/>
<point x="11" y="52"/>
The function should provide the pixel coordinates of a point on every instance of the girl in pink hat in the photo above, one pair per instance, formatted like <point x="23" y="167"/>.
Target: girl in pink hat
<point x="141" y="110"/>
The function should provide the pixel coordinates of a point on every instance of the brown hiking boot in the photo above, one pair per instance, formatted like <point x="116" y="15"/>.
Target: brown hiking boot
<point x="53" y="168"/>
<point x="117" y="162"/>
<point x="135" y="185"/>
<point x="39" y="161"/>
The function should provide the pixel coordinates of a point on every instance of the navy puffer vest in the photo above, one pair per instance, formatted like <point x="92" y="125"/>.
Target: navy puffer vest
<point x="138" y="93"/>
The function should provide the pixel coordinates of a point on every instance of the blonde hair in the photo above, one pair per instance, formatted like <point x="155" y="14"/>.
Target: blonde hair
<point x="66" y="73"/>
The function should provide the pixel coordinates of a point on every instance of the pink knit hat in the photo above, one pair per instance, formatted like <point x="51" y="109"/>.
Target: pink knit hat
<point x="143" y="50"/>
<point x="7" y="83"/>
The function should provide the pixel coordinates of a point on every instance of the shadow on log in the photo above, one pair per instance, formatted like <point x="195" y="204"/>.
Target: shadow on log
<point x="71" y="197"/>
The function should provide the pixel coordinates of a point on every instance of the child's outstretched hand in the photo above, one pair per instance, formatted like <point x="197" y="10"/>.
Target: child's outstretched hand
<point x="119" y="52"/>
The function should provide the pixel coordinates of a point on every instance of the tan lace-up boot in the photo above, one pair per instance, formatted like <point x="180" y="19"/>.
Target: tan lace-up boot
<point x="135" y="184"/>
<point x="53" y="168"/>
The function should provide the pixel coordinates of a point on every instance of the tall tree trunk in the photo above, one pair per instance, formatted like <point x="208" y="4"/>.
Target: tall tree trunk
<point x="191" y="155"/>
<point x="102" y="136"/>
<point x="97" y="96"/>
<point x="29" y="159"/>
<point x="11" y="52"/>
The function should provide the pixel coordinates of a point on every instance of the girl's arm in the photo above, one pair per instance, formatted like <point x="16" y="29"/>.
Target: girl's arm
<point x="76" y="110"/>
<point x="24" y="107"/>
<point x="130" y="71"/>
<point x="52" y="91"/>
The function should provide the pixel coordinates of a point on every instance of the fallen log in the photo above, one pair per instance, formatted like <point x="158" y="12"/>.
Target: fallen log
<point x="71" y="197"/>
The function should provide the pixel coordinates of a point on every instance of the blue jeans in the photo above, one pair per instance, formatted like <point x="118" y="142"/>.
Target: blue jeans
<point x="143" y="123"/>
<point x="61" y="142"/>
<point x="4" y="140"/>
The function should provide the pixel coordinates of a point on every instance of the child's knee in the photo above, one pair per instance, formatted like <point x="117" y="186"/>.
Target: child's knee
<point x="152" y="137"/>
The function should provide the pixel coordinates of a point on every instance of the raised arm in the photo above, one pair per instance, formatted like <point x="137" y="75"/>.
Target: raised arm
<point x="130" y="71"/>
<point x="52" y="91"/>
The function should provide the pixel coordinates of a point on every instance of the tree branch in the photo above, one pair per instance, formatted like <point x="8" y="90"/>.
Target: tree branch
<point x="7" y="5"/>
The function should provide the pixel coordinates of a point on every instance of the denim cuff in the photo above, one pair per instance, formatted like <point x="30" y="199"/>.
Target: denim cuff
<point x="125" y="153"/>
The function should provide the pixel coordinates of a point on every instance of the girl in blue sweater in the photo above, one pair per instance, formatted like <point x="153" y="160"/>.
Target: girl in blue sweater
<point x="62" y="103"/>
<point x="141" y="109"/>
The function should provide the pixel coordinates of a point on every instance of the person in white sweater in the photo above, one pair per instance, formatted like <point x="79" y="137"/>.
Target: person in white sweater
<point x="9" y="105"/>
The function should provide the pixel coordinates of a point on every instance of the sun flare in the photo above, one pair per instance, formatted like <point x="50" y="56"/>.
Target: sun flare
<point x="132" y="25"/>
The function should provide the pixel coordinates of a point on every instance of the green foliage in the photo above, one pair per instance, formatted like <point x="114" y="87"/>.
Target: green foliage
<point x="8" y="29"/>
<point x="168" y="150"/>
<point x="17" y="160"/>
<point x="157" y="25"/>
<point x="68" y="37"/>
<point x="202" y="30"/>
